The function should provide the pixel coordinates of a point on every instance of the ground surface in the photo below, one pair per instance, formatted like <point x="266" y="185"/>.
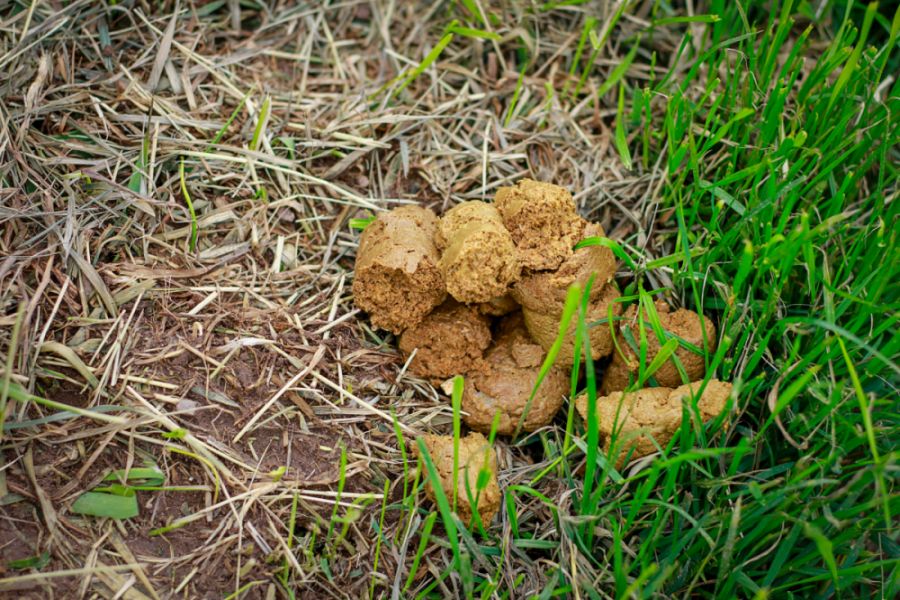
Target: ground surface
<point x="747" y="163"/>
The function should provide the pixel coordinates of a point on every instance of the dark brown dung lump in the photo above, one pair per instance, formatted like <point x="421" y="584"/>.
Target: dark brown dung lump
<point x="449" y="341"/>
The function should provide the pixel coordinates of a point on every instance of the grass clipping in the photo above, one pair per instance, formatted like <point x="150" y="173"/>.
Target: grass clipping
<point x="480" y="292"/>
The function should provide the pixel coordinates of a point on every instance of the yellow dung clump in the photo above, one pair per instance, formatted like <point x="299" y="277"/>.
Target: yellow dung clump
<point x="636" y="419"/>
<point x="474" y="455"/>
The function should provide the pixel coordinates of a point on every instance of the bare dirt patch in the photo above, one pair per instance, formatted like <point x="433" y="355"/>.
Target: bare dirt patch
<point x="211" y="380"/>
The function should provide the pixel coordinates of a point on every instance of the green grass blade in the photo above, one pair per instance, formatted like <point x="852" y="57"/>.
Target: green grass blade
<point x="424" y="538"/>
<point x="443" y="504"/>
<point x="569" y="309"/>
<point x="515" y="98"/>
<point x="192" y="242"/>
<point x="853" y="61"/>
<point x="619" y="138"/>
<point x="261" y="121"/>
<point x="113" y="506"/>
<point x="612" y="245"/>
<point x="870" y="433"/>
<point x="456" y="403"/>
<point x="618" y="72"/>
<point x="430" y="58"/>
<point x="6" y="382"/>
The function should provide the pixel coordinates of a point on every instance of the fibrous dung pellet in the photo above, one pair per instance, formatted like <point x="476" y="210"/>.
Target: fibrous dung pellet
<point x="397" y="278"/>
<point x="545" y="291"/>
<point x="449" y="341"/>
<point x="505" y="382"/>
<point x="543" y="325"/>
<point x="542" y="221"/>
<point x="635" y="419"/>
<point x="478" y="257"/>
<point x="474" y="454"/>
<point x="684" y="324"/>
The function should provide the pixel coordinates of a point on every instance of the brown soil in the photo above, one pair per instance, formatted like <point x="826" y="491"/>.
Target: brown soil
<point x="505" y="383"/>
<point x="397" y="279"/>
<point x="449" y="341"/>
<point x="479" y="258"/>
<point x="544" y="327"/>
<point x="640" y="417"/>
<point x="473" y="454"/>
<point x="308" y="449"/>
<point x="685" y="324"/>
<point x="542" y="220"/>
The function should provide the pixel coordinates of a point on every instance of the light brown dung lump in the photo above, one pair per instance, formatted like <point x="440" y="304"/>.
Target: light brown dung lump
<point x="479" y="258"/>
<point x="542" y="220"/>
<point x="397" y="279"/>
<point x="651" y="413"/>
<point x="504" y="383"/>
<point x="450" y="341"/>
<point x="682" y="323"/>
<point x="544" y="326"/>
<point x="545" y="291"/>
<point x="474" y="454"/>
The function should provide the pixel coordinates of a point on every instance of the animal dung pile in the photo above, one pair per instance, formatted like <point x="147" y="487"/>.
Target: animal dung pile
<point x="504" y="269"/>
<point x="480" y="292"/>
